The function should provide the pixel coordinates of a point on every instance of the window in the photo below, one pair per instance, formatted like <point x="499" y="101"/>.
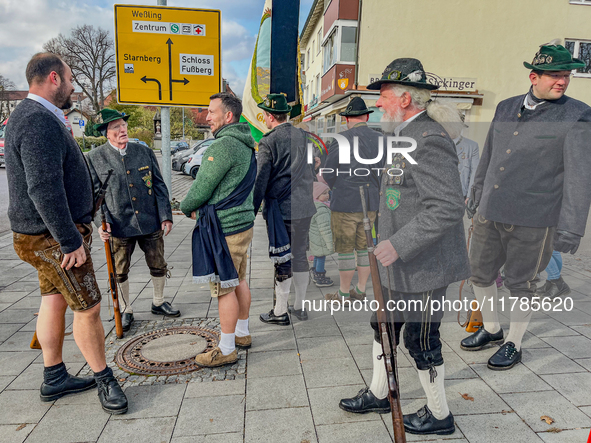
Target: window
<point x="580" y="2"/>
<point x="581" y="49"/>
<point x="313" y="44"/>
<point x="330" y="51"/>
<point x="308" y="59"/>
<point x="330" y="123"/>
<point x="318" y="87"/>
<point x="319" y="40"/>
<point x="348" y="44"/>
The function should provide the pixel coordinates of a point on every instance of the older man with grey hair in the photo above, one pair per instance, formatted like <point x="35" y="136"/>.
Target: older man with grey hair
<point x="137" y="209"/>
<point x="421" y="242"/>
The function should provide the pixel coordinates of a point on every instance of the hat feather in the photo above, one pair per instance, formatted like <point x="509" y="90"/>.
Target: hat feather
<point x="555" y="42"/>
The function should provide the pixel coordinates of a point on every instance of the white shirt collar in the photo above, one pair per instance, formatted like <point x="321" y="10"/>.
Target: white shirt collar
<point x="531" y="108"/>
<point x="402" y="125"/>
<point x="50" y="106"/>
<point x="121" y="151"/>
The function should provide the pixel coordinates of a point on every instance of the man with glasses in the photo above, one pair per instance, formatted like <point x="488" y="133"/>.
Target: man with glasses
<point x="532" y="190"/>
<point x="137" y="208"/>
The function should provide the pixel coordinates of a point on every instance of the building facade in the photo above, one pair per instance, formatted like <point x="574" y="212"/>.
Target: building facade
<point x="473" y="50"/>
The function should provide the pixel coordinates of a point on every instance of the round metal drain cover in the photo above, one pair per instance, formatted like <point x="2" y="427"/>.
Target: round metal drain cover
<point x="165" y="352"/>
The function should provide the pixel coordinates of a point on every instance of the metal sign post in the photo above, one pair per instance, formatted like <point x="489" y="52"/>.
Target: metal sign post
<point x="167" y="56"/>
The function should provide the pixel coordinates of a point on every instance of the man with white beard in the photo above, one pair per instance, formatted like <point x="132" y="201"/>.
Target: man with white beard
<point x="421" y="242"/>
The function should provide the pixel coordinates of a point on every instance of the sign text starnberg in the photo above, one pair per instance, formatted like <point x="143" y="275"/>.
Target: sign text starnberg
<point x="167" y="56"/>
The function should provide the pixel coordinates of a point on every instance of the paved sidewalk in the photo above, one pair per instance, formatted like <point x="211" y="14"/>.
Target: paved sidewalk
<point x="295" y="375"/>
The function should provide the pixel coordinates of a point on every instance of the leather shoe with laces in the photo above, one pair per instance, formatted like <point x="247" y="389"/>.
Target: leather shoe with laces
<point x="423" y="422"/>
<point x="480" y="339"/>
<point x="300" y="314"/>
<point x="505" y="358"/>
<point x="126" y="321"/>
<point x="165" y="309"/>
<point x="272" y="319"/>
<point x="71" y="385"/>
<point x="365" y="402"/>
<point x="111" y="396"/>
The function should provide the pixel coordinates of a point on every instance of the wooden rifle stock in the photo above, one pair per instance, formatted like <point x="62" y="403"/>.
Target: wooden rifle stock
<point x="387" y="336"/>
<point x="108" y="253"/>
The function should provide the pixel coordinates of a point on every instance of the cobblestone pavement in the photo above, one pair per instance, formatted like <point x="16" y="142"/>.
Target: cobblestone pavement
<point x="295" y="375"/>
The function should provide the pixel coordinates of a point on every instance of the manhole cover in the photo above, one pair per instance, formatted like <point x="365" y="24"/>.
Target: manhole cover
<point x="168" y="351"/>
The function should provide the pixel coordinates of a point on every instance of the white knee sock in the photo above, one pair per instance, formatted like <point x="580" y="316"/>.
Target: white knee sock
<point x="300" y="281"/>
<point x="227" y="343"/>
<point x="242" y="328"/>
<point x="124" y="290"/>
<point x="490" y="316"/>
<point x="282" y="294"/>
<point x="435" y="391"/>
<point x="158" y="294"/>
<point x="379" y="380"/>
<point x="519" y="322"/>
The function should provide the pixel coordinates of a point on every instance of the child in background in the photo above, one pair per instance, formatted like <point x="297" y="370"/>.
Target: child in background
<point x="321" y="243"/>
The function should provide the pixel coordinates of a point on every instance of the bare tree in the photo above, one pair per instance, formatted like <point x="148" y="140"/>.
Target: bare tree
<point x="5" y="86"/>
<point x="89" y="52"/>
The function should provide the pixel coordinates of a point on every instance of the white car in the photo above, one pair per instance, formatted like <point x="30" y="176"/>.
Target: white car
<point x="194" y="162"/>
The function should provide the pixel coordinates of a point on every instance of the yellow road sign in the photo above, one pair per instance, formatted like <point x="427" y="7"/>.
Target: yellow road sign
<point x="167" y="56"/>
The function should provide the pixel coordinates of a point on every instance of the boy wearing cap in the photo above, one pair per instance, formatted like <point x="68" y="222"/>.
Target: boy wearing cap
<point x="137" y="208"/>
<point x="532" y="190"/>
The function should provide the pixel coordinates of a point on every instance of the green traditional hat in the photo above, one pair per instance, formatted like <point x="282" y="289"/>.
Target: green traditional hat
<point x="554" y="57"/>
<point x="275" y="103"/>
<point x="108" y="116"/>
<point x="356" y="107"/>
<point x="404" y="71"/>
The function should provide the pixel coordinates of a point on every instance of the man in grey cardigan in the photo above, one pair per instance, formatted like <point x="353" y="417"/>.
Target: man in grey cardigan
<point x="532" y="190"/>
<point x="137" y="209"/>
<point x="51" y="207"/>
<point x="421" y="242"/>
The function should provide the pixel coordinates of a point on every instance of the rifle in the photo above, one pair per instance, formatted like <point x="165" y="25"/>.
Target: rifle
<point x="110" y="267"/>
<point x="387" y="335"/>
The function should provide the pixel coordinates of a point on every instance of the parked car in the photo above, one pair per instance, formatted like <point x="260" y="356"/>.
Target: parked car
<point x="194" y="162"/>
<point x="178" y="145"/>
<point x="180" y="158"/>
<point x="2" y="128"/>
<point x="137" y="140"/>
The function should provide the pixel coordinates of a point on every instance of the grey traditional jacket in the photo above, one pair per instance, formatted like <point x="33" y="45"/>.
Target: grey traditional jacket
<point x="422" y="215"/>
<point x="280" y="151"/>
<point x="137" y="199"/>
<point x="535" y="165"/>
<point x="468" y="157"/>
<point x="345" y="186"/>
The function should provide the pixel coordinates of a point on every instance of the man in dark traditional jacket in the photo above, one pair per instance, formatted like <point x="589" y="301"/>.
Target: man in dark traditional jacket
<point x="532" y="190"/>
<point x="285" y="180"/>
<point x="137" y="208"/>
<point x="421" y="242"/>
<point x="347" y="216"/>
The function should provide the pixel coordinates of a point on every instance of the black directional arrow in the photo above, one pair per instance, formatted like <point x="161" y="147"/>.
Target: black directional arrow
<point x="145" y="79"/>
<point x="170" y="79"/>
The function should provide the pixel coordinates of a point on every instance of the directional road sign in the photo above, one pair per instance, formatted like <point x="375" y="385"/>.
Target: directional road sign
<point x="167" y="56"/>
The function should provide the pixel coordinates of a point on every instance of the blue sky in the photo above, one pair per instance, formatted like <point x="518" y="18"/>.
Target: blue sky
<point x="25" y="25"/>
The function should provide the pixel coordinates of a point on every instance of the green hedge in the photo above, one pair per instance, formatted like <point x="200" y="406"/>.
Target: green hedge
<point x="96" y="141"/>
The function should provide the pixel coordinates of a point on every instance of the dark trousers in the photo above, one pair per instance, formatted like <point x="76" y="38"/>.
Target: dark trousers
<point x="297" y="230"/>
<point x="524" y="251"/>
<point x="421" y="328"/>
<point x="151" y="244"/>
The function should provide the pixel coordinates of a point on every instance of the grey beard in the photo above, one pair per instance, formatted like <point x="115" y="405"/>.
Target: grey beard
<point x="390" y="123"/>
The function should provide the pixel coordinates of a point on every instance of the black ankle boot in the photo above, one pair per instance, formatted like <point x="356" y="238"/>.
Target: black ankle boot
<point x="57" y="383"/>
<point x="111" y="396"/>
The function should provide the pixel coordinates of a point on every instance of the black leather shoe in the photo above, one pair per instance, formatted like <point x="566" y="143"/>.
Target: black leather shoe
<point x="272" y="319"/>
<point x="126" y="321"/>
<point x="480" y="339"/>
<point x="165" y="309"/>
<point x="71" y="385"/>
<point x="505" y="358"/>
<point x="554" y="288"/>
<point x="423" y="422"/>
<point x="111" y="396"/>
<point x="299" y="313"/>
<point x="365" y="402"/>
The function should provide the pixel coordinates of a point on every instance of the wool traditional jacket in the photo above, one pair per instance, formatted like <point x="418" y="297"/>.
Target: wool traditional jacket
<point x="137" y="199"/>
<point x="422" y="215"/>
<point x="535" y="166"/>
<point x="48" y="180"/>
<point x="345" y="186"/>
<point x="281" y="151"/>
